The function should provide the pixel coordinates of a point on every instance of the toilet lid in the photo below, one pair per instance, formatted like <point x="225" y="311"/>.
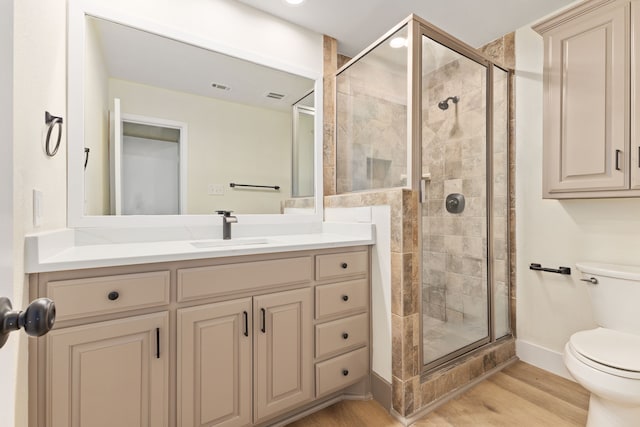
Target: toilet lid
<point x="616" y="349"/>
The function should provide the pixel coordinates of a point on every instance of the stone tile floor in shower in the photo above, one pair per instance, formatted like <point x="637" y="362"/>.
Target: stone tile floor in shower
<point x="441" y="337"/>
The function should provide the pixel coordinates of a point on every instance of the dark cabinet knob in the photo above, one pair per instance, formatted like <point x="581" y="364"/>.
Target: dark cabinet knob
<point x="345" y="372"/>
<point x="113" y="295"/>
<point x="345" y="336"/>
<point x="344" y="265"/>
<point x="345" y="297"/>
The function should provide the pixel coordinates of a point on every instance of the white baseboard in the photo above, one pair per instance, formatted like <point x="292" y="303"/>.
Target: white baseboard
<point x="542" y="358"/>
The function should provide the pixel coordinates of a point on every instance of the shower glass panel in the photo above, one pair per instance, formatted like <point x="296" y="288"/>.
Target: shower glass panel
<point x="454" y="212"/>
<point x="500" y="202"/>
<point x="371" y="106"/>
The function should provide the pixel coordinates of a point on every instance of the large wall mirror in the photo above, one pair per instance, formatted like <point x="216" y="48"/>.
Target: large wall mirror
<point x="170" y="128"/>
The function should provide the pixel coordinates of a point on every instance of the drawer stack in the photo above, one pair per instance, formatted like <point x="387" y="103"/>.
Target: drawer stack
<point x="342" y="320"/>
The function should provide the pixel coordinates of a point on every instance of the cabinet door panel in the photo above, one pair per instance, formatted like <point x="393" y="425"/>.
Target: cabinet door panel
<point x="214" y="364"/>
<point x="283" y="352"/>
<point x="586" y="116"/>
<point x="108" y="373"/>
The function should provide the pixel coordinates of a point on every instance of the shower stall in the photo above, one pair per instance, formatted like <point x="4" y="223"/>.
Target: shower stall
<point x="422" y="110"/>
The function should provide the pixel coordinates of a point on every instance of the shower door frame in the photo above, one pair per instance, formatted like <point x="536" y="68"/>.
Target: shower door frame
<point x="419" y="28"/>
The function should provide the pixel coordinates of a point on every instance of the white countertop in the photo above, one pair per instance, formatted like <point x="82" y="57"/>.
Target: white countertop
<point x="57" y="251"/>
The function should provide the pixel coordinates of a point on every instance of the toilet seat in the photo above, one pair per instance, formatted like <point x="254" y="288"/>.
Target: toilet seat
<point x="607" y="350"/>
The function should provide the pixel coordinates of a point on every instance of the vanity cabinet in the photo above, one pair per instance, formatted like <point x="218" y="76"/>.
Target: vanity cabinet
<point x="109" y="373"/>
<point x="217" y="344"/>
<point x="591" y="119"/>
<point x="226" y="342"/>
<point x="214" y="364"/>
<point x="104" y="372"/>
<point x="342" y="321"/>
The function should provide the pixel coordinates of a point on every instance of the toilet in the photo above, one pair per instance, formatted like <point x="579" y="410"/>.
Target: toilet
<point x="606" y="360"/>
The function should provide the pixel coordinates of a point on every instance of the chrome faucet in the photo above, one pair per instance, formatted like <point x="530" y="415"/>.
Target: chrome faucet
<point x="227" y="220"/>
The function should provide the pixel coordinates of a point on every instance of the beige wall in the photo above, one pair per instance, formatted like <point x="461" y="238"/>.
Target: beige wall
<point x="551" y="307"/>
<point x="227" y="142"/>
<point x="39" y="85"/>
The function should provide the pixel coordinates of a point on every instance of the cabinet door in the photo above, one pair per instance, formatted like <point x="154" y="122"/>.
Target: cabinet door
<point x="283" y="352"/>
<point x="109" y="374"/>
<point x="214" y="364"/>
<point x="586" y="106"/>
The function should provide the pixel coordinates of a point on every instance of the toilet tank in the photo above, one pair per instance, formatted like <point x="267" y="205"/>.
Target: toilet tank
<point x="616" y="297"/>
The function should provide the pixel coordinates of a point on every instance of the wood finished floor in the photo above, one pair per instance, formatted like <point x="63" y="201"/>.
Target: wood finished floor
<point x="520" y="395"/>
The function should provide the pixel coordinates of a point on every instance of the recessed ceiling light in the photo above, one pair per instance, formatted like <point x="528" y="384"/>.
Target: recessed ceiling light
<point x="294" y="2"/>
<point x="398" y="42"/>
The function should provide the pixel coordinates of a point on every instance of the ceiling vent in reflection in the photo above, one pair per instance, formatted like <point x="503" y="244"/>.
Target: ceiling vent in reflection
<point x="274" y="95"/>
<point x="220" y="86"/>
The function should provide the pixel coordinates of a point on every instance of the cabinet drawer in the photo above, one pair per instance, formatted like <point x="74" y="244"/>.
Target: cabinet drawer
<point x="340" y="265"/>
<point x="341" y="371"/>
<point x="195" y="283"/>
<point x="341" y="298"/>
<point x="108" y="294"/>
<point x="342" y="335"/>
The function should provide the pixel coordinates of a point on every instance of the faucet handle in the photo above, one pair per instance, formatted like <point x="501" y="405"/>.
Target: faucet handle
<point x="224" y="213"/>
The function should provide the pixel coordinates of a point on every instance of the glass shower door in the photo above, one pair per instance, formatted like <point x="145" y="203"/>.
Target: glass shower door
<point x="454" y="209"/>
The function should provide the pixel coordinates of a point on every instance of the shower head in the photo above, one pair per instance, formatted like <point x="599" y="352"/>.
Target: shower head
<point x="443" y="105"/>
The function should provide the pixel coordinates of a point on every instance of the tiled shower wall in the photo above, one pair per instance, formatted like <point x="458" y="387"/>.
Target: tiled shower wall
<point x="371" y="128"/>
<point x="454" y="146"/>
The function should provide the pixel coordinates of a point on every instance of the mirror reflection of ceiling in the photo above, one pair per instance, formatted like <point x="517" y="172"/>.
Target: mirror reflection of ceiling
<point x="358" y="23"/>
<point x="142" y="57"/>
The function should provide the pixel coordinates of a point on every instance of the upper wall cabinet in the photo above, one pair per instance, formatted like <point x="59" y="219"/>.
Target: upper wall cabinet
<point x="591" y="93"/>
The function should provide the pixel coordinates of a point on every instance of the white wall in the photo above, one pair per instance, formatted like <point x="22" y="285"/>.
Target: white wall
<point x="227" y="142"/>
<point x="551" y="307"/>
<point x="39" y="84"/>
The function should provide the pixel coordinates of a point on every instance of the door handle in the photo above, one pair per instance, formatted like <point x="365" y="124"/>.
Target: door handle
<point x="37" y="319"/>
<point x="618" y="153"/>
<point x="246" y="323"/>
<point x="264" y="320"/>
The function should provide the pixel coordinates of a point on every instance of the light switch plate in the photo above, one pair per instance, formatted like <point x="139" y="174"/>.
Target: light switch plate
<point x="215" y="190"/>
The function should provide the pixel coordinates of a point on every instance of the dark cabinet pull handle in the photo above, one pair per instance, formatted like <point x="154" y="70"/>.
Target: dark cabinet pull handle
<point x="246" y="323"/>
<point x="639" y="156"/>
<point x="345" y="372"/>
<point x="618" y="153"/>
<point x="157" y="343"/>
<point x="345" y="335"/>
<point x="264" y="320"/>
<point x="345" y="297"/>
<point x="344" y="265"/>
<point x="113" y="295"/>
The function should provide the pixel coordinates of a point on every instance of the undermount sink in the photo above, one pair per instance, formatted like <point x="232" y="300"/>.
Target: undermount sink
<point x="215" y="243"/>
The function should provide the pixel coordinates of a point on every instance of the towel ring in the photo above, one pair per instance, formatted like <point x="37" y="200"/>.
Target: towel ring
<point x="52" y="121"/>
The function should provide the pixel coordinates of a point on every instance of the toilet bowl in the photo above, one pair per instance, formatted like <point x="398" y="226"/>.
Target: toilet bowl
<point x="606" y="360"/>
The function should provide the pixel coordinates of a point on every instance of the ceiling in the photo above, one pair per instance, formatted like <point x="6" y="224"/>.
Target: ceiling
<point x="358" y="23"/>
<point x="138" y="56"/>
